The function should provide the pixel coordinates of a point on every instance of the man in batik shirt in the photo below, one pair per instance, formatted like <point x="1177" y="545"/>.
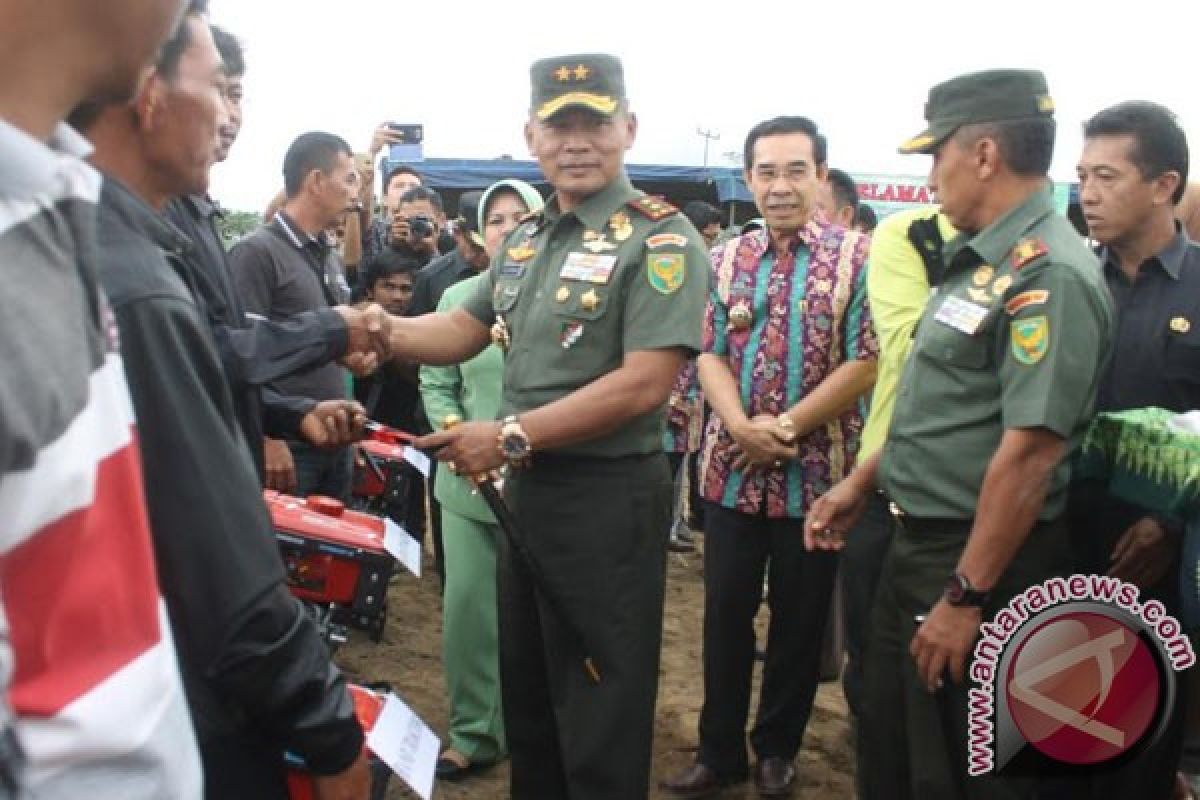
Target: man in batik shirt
<point x="788" y="353"/>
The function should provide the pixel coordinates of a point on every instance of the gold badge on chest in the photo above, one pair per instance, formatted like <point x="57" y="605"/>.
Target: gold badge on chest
<point x="596" y="243"/>
<point x="620" y="225"/>
<point x="589" y="300"/>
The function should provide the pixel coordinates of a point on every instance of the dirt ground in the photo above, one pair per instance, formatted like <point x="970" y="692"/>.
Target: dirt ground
<point x="409" y="657"/>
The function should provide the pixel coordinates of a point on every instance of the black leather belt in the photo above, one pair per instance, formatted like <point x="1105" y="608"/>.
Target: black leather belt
<point x="926" y="524"/>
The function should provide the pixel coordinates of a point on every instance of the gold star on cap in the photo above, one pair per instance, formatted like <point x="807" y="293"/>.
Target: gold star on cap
<point x="582" y="72"/>
<point x="563" y="73"/>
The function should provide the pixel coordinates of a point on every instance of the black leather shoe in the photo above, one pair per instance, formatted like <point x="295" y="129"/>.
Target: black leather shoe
<point x="697" y="781"/>
<point x="774" y="777"/>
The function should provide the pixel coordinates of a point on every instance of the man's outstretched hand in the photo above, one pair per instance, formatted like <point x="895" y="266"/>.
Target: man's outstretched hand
<point x="334" y="423"/>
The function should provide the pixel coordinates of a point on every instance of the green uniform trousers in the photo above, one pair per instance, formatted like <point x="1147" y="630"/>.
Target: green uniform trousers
<point x="469" y="638"/>
<point x="597" y="530"/>
<point x="914" y="744"/>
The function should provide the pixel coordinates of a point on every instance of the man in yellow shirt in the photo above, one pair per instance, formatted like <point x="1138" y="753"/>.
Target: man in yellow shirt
<point x="904" y="265"/>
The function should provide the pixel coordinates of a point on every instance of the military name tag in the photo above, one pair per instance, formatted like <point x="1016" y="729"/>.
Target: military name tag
<point x="590" y="267"/>
<point x="511" y="270"/>
<point x="962" y="315"/>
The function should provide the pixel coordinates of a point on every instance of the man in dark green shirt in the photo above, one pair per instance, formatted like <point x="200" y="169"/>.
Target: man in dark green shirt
<point x="597" y="301"/>
<point x="999" y="389"/>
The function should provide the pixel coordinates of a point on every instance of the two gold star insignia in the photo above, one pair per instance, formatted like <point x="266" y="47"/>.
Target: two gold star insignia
<point x="579" y="73"/>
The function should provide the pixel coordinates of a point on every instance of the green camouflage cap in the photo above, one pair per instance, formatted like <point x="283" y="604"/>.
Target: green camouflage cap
<point x="593" y="81"/>
<point x="990" y="96"/>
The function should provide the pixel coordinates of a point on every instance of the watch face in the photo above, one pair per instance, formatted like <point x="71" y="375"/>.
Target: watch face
<point x="515" y="446"/>
<point x="955" y="590"/>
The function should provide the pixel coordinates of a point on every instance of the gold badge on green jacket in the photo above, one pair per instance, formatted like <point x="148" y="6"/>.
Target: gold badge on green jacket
<point x="521" y="253"/>
<point x="666" y="271"/>
<point x="596" y="243"/>
<point x="622" y="228"/>
<point x="1030" y="339"/>
<point x="983" y="275"/>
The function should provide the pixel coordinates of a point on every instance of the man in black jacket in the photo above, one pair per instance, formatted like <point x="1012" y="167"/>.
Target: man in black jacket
<point x="258" y="678"/>
<point x="256" y="351"/>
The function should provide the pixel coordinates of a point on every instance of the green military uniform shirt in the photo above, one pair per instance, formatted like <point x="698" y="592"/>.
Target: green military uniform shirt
<point x="1016" y="337"/>
<point x="579" y="290"/>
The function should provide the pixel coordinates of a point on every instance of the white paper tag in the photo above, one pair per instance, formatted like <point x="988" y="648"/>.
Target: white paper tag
<point x="403" y="547"/>
<point x="405" y="743"/>
<point x="962" y="315"/>
<point x="418" y="459"/>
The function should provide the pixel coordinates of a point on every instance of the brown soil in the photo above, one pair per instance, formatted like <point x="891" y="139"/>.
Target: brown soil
<point x="409" y="657"/>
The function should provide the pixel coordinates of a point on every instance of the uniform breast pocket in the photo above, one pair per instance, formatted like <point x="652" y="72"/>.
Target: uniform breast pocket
<point x="947" y="345"/>
<point x="1182" y="357"/>
<point x="582" y="301"/>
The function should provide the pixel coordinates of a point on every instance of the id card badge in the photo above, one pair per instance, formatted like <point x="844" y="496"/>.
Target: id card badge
<point x="962" y="315"/>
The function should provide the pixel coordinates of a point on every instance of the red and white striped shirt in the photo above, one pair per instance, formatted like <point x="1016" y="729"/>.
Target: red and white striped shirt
<point x="95" y="688"/>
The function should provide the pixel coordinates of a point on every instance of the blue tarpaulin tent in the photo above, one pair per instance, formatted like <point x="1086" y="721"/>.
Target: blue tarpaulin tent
<point x="720" y="184"/>
<point x="679" y="184"/>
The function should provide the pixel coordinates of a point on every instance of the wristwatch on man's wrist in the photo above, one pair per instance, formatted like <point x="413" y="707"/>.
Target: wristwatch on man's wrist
<point x="514" y="443"/>
<point x="960" y="593"/>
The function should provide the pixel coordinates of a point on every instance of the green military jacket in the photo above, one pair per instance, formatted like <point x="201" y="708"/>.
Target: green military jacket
<point x="577" y="291"/>
<point x="1016" y="336"/>
<point x="470" y="390"/>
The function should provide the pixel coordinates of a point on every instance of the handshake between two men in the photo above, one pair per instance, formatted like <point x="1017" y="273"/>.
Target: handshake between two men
<point x="337" y="423"/>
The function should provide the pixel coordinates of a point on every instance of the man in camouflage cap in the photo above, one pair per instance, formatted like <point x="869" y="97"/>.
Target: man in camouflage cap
<point x="998" y="391"/>
<point x="597" y="301"/>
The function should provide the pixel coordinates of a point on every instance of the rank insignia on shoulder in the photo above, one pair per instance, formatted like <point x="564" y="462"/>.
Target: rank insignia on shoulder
<point x="653" y="208"/>
<point x="1028" y="250"/>
<point x="1180" y="324"/>
<point x="1033" y="297"/>
<point x="522" y="253"/>
<point x="666" y="271"/>
<point x="1030" y="339"/>
<point x="666" y="239"/>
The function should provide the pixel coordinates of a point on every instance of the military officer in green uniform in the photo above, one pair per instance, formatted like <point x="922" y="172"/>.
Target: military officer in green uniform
<point x="998" y="391"/>
<point x="597" y="301"/>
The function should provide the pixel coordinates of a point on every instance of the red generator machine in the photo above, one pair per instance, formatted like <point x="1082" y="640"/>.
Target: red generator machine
<point x="385" y="483"/>
<point x="336" y="562"/>
<point x="368" y="704"/>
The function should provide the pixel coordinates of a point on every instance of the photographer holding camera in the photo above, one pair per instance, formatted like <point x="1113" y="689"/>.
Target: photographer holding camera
<point x="416" y="223"/>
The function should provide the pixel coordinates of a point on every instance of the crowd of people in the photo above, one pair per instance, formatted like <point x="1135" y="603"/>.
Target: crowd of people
<point x="898" y="399"/>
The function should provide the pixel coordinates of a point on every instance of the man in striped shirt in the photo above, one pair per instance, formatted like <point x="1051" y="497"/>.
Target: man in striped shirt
<point x="88" y="660"/>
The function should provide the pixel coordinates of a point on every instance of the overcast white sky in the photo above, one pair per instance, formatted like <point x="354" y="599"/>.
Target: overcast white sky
<point x="860" y="68"/>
